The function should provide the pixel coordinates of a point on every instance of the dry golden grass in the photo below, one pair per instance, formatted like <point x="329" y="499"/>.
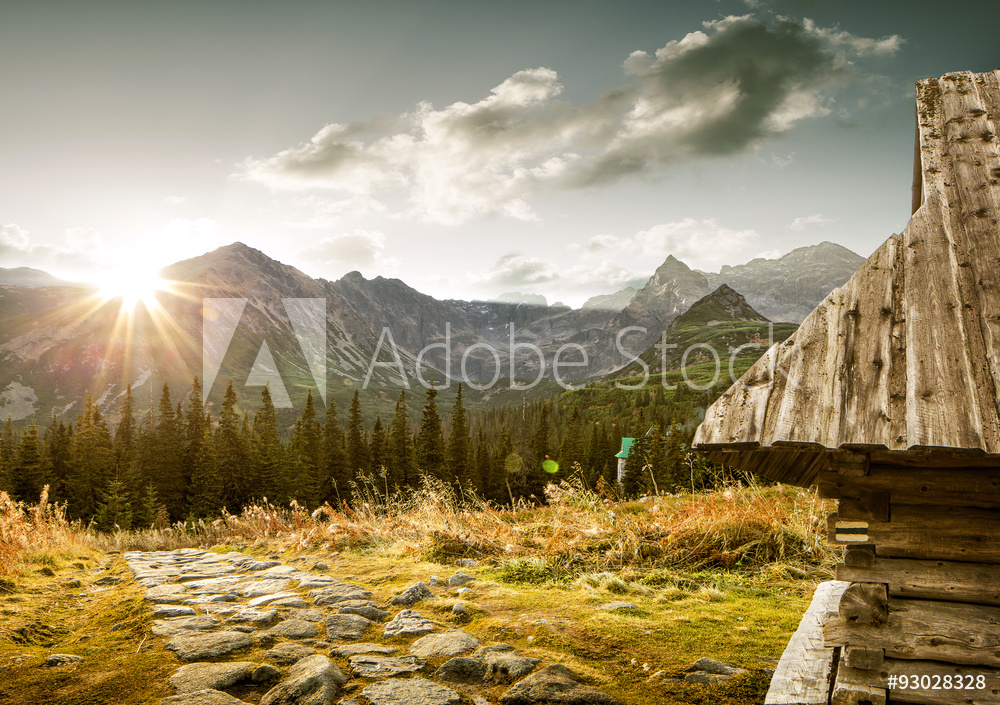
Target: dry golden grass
<point x="34" y="533"/>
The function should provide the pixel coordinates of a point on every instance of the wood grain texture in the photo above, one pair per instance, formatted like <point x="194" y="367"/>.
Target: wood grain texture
<point x="935" y="673"/>
<point x="802" y="676"/>
<point x="906" y="355"/>
<point x="976" y="583"/>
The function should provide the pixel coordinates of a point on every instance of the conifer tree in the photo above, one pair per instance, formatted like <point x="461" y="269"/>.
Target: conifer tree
<point x="232" y="454"/>
<point x="268" y="452"/>
<point x="305" y="452"/>
<point x="147" y="509"/>
<point x="92" y="462"/>
<point x="572" y="452"/>
<point x="163" y="458"/>
<point x="357" y="445"/>
<point x="336" y="485"/>
<point x="430" y="447"/>
<point x="402" y="470"/>
<point x="114" y="509"/>
<point x="58" y="449"/>
<point x="206" y="495"/>
<point x="634" y="480"/>
<point x="458" y="445"/>
<point x="378" y="452"/>
<point x="485" y="477"/>
<point x="29" y="470"/>
<point x="8" y="449"/>
<point x="124" y="447"/>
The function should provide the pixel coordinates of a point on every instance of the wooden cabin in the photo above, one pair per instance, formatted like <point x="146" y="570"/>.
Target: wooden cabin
<point x="888" y="399"/>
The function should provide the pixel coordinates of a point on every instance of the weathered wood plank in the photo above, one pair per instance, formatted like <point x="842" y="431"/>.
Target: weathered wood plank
<point x="915" y="531"/>
<point x="935" y="673"/>
<point x="951" y="581"/>
<point x="926" y="630"/>
<point x="859" y="557"/>
<point x="802" y="676"/>
<point x="869" y="506"/>
<point x="851" y="687"/>
<point x="862" y="657"/>
<point x="968" y="487"/>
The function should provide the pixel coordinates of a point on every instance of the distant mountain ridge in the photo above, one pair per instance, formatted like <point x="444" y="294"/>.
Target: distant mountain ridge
<point x="28" y="276"/>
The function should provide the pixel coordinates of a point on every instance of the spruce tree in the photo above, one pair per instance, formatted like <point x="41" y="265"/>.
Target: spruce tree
<point x="305" y="452"/>
<point x="58" y="449"/>
<point x="571" y="454"/>
<point x="29" y="470"/>
<point x="92" y="462"/>
<point x="114" y="509"/>
<point x="430" y="447"/>
<point x="402" y="470"/>
<point x="357" y="445"/>
<point x="8" y="450"/>
<point x="206" y="495"/>
<point x="378" y="453"/>
<point x="458" y="445"/>
<point x="232" y="455"/>
<point x="337" y="476"/>
<point x="268" y="452"/>
<point x="125" y="446"/>
<point x="163" y="458"/>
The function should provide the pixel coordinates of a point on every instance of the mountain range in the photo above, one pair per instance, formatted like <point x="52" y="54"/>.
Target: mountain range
<point x="235" y="313"/>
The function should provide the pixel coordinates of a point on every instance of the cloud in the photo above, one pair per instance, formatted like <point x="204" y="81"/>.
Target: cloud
<point x="175" y="200"/>
<point x="717" y="91"/>
<point x="82" y="248"/>
<point x="802" y="223"/>
<point x="360" y="250"/>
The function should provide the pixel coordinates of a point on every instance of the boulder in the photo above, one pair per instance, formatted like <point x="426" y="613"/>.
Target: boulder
<point x="192" y="646"/>
<point x="454" y="643"/>
<point x="412" y="595"/>
<point x="346" y="627"/>
<point x="462" y="669"/>
<point x="210" y="676"/>
<point x="375" y="666"/>
<point x="295" y="629"/>
<point x="407" y="623"/>
<point x="410" y="691"/>
<point x="202" y="697"/>
<point x="555" y="685"/>
<point x="289" y="653"/>
<point x="314" y="680"/>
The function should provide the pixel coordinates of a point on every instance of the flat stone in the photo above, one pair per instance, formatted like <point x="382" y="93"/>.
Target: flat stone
<point x="61" y="659"/>
<point x="264" y="599"/>
<point x="346" y="627"/>
<point x="349" y="650"/>
<point x="705" y="678"/>
<point x="210" y="676"/>
<point x="295" y="629"/>
<point x="220" y="608"/>
<point x="555" y="684"/>
<point x="251" y="565"/>
<point x="338" y="593"/>
<point x="172" y="611"/>
<point x="717" y="667"/>
<point x="289" y="653"/>
<point x="407" y="623"/>
<point x="618" y="606"/>
<point x="410" y="691"/>
<point x="367" y="611"/>
<point x="106" y="580"/>
<point x="278" y="571"/>
<point x="446" y="644"/>
<point x="265" y="674"/>
<point x="315" y="581"/>
<point x="296" y="602"/>
<point x="412" y="595"/>
<point x="182" y="625"/>
<point x="254" y="618"/>
<point x="212" y="585"/>
<point x="309" y="615"/>
<point x="314" y="680"/>
<point x="210" y="598"/>
<point x="170" y="592"/>
<point x="459" y="579"/>
<point x="507" y="667"/>
<point x="265" y="587"/>
<point x="202" y="697"/>
<point x="198" y="647"/>
<point x="462" y="669"/>
<point x="374" y="666"/>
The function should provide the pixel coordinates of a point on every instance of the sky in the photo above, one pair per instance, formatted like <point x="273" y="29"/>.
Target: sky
<point x="467" y="148"/>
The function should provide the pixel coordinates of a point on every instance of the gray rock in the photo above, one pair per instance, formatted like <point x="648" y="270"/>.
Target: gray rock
<point x="367" y="611"/>
<point x="296" y="602"/>
<point x="321" y="566"/>
<point x="349" y="650"/>
<point x="407" y="623"/>
<point x="202" y="697"/>
<point x="209" y="676"/>
<point x="252" y="565"/>
<point x="315" y="680"/>
<point x="169" y="592"/>
<point x="463" y="591"/>
<point x="264" y="599"/>
<point x="309" y="615"/>
<point x="494" y="649"/>
<point x="459" y="608"/>
<point x="462" y="669"/>
<point x="411" y="691"/>
<point x="263" y="588"/>
<point x="454" y="643"/>
<point x="106" y="580"/>
<point x="459" y="579"/>
<point x="346" y="627"/>
<point x="507" y="667"/>
<point x="466" y="563"/>
<point x="618" y="606"/>
<point x="309" y="582"/>
<point x="183" y="625"/>
<point x="295" y="629"/>
<point x="287" y="654"/>
<point x="338" y="593"/>
<point x="374" y="666"/>
<point x="717" y="667"/>
<point x="555" y="684"/>
<point x="172" y="611"/>
<point x="412" y="595"/>
<point x="253" y="618"/>
<point x="200" y="646"/>
<point x="265" y="674"/>
<point x="435" y="581"/>
<point x="245" y="628"/>
<point x="705" y="678"/>
<point x="62" y="659"/>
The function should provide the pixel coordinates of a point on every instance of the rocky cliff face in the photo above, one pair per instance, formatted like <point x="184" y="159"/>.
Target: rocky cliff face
<point x="790" y="287"/>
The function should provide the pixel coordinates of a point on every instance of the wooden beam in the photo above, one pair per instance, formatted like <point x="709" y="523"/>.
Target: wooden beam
<point x="850" y="464"/>
<point x="923" y="532"/>
<point x="862" y="657"/>
<point x="864" y="603"/>
<point x="802" y="676"/>
<point x="859" y="557"/>
<point x="968" y="487"/>
<point x="869" y="506"/>
<point x="852" y="687"/>
<point x="935" y="673"/>
<point x="950" y="581"/>
<point x="926" y="630"/>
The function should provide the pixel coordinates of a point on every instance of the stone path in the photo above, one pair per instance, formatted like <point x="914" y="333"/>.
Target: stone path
<point x="320" y="640"/>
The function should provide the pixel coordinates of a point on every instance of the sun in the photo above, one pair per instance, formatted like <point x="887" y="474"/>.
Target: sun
<point x="133" y="286"/>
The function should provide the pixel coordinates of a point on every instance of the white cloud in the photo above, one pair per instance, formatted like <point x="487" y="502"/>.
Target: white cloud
<point x="82" y="248"/>
<point x="803" y="222"/>
<point x="363" y="250"/>
<point x="13" y="236"/>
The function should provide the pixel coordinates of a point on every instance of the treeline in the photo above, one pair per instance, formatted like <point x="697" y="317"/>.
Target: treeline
<point x="178" y="462"/>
